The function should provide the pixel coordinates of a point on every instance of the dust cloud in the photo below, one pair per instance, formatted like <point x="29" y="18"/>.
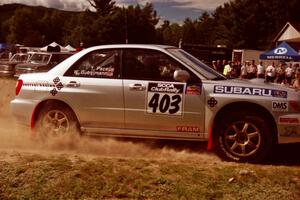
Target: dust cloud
<point x="15" y="138"/>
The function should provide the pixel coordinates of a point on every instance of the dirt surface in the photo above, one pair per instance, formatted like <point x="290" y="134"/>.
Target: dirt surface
<point x="18" y="140"/>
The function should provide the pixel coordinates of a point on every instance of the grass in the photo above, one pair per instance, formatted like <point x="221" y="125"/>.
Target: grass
<point x="63" y="177"/>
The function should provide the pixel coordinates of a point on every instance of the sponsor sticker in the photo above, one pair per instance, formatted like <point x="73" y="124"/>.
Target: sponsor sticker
<point x="220" y="89"/>
<point x="57" y="86"/>
<point x="192" y="129"/>
<point x="290" y="132"/>
<point x="193" y="89"/>
<point x="280" y="106"/>
<point x="212" y="102"/>
<point x="288" y="120"/>
<point x="165" y="98"/>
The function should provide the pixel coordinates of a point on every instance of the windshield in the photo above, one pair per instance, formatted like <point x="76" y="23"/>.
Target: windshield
<point x="39" y="58"/>
<point x="196" y="64"/>
<point x="19" y="58"/>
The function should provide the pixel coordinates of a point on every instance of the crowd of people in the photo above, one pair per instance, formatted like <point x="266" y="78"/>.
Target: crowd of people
<point x="282" y="73"/>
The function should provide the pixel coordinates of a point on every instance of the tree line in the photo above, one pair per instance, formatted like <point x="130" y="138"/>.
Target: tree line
<point x="251" y="24"/>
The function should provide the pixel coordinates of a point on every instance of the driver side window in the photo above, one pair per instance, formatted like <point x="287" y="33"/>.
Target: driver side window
<point x="149" y="65"/>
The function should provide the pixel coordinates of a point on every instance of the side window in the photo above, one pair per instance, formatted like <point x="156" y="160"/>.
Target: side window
<point x="149" y="65"/>
<point x="97" y="64"/>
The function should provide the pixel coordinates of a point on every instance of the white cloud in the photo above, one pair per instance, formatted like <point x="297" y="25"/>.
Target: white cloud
<point x="196" y="4"/>
<point x="60" y="4"/>
<point x="173" y="10"/>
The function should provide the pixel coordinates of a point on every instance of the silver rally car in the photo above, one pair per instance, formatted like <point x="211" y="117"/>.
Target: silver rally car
<point x="152" y="91"/>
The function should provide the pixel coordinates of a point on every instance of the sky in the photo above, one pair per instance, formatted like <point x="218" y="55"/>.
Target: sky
<point x="172" y="10"/>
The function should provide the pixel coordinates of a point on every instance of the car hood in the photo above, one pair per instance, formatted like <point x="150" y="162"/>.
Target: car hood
<point x="249" y="87"/>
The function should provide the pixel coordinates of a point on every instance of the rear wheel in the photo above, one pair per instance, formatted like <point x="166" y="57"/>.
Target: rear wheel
<point x="55" y="121"/>
<point x="244" y="137"/>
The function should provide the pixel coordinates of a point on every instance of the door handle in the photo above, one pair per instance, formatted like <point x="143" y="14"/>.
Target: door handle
<point x="73" y="84"/>
<point x="137" y="87"/>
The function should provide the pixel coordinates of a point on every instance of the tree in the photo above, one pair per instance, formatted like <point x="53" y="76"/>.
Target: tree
<point x="103" y="7"/>
<point x="24" y="28"/>
<point x="169" y="34"/>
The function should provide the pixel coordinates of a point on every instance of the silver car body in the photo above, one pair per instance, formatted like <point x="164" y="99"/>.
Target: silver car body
<point x="120" y="107"/>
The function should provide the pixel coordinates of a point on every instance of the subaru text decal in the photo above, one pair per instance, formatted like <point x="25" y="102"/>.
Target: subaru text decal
<point x="220" y="89"/>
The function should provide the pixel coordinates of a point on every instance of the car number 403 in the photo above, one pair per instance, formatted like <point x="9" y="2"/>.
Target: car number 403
<point x="164" y="103"/>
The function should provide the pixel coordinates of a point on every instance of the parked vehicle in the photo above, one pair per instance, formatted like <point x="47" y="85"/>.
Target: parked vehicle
<point x="41" y="62"/>
<point x="7" y="69"/>
<point x="151" y="91"/>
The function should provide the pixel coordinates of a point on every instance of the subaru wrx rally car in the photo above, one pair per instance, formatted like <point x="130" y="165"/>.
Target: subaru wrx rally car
<point x="152" y="91"/>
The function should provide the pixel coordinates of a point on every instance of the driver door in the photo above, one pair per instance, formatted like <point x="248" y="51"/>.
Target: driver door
<point x="154" y="101"/>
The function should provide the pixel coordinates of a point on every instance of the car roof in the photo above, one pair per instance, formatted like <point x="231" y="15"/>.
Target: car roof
<point x="49" y="53"/>
<point x="146" y="46"/>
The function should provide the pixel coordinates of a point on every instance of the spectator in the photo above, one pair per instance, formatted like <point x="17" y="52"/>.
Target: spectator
<point x="180" y="43"/>
<point x="296" y="83"/>
<point x="280" y="73"/>
<point x="214" y="65"/>
<point x="244" y="73"/>
<point x="219" y="66"/>
<point x="289" y="74"/>
<point x="227" y="69"/>
<point x="252" y="69"/>
<point x="224" y="62"/>
<point x="236" y="69"/>
<point x="270" y="73"/>
<point x="260" y="70"/>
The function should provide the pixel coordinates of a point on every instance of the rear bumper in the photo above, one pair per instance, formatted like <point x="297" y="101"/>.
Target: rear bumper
<point x="22" y="110"/>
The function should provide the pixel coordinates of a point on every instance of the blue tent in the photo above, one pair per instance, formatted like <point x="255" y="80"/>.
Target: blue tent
<point x="282" y="52"/>
<point x="3" y="46"/>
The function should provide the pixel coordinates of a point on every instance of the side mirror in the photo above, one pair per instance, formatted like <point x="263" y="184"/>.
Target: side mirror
<point x="181" y="75"/>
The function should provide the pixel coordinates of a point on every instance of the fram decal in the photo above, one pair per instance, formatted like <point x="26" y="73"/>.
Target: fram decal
<point x="288" y="120"/>
<point x="280" y="106"/>
<point x="194" y="129"/>
<point x="220" y="89"/>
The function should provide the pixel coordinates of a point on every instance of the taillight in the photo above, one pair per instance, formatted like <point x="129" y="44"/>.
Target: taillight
<point x="19" y="86"/>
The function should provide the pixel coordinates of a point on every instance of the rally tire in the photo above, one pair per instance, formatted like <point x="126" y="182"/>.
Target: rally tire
<point x="56" y="120"/>
<point x="244" y="137"/>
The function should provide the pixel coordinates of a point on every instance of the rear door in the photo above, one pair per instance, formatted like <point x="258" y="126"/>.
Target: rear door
<point x="94" y="89"/>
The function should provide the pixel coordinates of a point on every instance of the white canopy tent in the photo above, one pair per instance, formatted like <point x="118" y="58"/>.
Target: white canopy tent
<point x="54" y="44"/>
<point x="70" y="48"/>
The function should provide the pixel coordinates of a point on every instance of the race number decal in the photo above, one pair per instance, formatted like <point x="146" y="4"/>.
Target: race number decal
<point x="165" y="98"/>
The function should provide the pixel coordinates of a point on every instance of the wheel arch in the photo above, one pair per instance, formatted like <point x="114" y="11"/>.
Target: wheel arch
<point x="39" y="107"/>
<point x="247" y="107"/>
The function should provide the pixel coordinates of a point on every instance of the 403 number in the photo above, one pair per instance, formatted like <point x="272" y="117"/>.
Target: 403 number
<point x="165" y="104"/>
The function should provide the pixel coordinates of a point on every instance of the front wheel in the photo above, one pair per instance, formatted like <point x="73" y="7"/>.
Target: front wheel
<point x="244" y="137"/>
<point x="56" y="121"/>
